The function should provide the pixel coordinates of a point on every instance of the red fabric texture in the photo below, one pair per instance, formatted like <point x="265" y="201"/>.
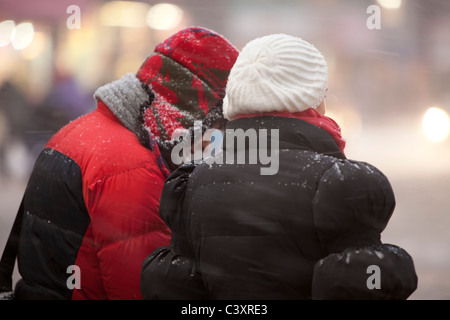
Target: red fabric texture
<point x="313" y="117"/>
<point x="204" y="52"/>
<point x="123" y="180"/>
<point x="122" y="184"/>
<point x="188" y="73"/>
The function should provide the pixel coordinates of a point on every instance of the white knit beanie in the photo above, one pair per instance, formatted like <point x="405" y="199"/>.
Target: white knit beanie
<point x="277" y="72"/>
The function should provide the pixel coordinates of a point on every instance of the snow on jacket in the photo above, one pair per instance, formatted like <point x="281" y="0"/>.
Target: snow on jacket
<point x="93" y="197"/>
<point x="311" y="231"/>
<point x="92" y="201"/>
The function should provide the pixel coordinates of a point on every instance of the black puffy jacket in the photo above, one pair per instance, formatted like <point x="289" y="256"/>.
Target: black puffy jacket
<point x="311" y="231"/>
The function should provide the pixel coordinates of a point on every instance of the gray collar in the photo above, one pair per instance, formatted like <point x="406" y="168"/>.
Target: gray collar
<point x="124" y="98"/>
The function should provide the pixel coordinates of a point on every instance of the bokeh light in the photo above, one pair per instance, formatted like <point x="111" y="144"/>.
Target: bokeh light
<point x="6" y="30"/>
<point x="22" y="36"/>
<point x="436" y="124"/>
<point x="129" y="14"/>
<point x="164" y="16"/>
<point x="390" y="4"/>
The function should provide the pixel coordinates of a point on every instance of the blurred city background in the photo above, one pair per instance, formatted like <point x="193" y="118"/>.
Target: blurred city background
<point x="388" y="89"/>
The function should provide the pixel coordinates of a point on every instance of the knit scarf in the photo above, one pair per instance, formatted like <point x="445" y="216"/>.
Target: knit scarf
<point x="313" y="117"/>
<point x="178" y="84"/>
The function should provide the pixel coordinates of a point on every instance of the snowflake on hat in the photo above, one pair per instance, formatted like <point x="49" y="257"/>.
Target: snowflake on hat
<point x="187" y="74"/>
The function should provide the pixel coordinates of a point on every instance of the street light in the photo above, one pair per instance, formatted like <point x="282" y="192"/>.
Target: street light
<point x="436" y="124"/>
<point x="164" y="16"/>
<point x="6" y="30"/>
<point x="22" y="36"/>
<point x="130" y="14"/>
<point x="390" y="4"/>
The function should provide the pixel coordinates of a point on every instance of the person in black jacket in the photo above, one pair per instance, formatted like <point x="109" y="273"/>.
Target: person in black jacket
<point x="308" y="228"/>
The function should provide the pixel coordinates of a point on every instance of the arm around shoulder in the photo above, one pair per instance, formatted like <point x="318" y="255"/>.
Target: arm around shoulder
<point x="170" y="272"/>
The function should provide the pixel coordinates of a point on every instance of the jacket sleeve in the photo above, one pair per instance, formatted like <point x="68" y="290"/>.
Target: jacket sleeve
<point x="352" y="206"/>
<point x="170" y="272"/>
<point x="126" y="227"/>
<point x="168" y="275"/>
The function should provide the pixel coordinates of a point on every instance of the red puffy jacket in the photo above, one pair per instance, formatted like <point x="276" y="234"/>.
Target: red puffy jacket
<point x="99" y="190"/>
<point x="90" y="210"/>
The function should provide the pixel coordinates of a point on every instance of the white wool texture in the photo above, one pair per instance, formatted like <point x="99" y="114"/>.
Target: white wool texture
<point x="277" y="72"/>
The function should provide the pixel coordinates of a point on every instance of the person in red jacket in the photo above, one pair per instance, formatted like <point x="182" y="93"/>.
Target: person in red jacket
<point x="90" y="210"/>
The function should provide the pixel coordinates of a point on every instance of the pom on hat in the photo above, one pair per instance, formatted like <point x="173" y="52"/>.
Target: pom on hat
<point x="277" y="72"/>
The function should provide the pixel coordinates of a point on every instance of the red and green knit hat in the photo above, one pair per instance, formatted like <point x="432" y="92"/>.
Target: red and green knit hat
<point x="178" y="84"/>
<point x="187" y="74"/>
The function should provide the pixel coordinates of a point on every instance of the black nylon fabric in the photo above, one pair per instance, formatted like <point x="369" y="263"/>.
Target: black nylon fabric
<point x="54" y="221"/>
<point x="254" y="236"/>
